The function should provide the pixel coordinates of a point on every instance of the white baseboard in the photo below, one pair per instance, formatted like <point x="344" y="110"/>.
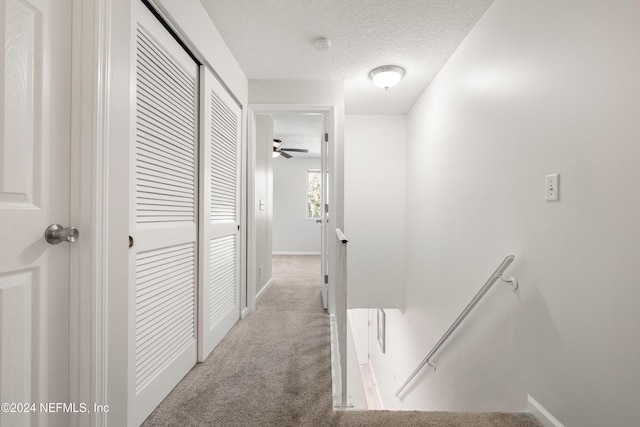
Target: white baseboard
<point x="543" y="416"/>
<point x="335" y="362"/>
<point x="263" y="290"/>
<point x="295" y="253"/>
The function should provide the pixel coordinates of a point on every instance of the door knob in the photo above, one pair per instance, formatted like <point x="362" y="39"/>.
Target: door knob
<point x="56" y="233"/>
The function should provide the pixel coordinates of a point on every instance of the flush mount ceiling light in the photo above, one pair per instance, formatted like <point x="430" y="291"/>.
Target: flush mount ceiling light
<point x="386" y="76"/>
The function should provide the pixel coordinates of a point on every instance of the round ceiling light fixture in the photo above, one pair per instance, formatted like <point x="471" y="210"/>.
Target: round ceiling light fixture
<point x="386" y="76"/>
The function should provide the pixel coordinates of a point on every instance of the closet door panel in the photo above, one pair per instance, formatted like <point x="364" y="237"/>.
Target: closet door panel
<point x="164" y="215"/>
<point x="219" y="307"/>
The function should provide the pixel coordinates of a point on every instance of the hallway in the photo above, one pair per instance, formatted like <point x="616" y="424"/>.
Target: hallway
<point x="273" y="369"/>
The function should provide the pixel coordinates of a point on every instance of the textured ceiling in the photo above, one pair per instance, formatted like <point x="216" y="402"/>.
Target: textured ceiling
<point x="299" y="131"/>
<point x="273" y="39"/>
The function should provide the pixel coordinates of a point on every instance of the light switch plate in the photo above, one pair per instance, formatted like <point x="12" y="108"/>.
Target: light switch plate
<point x="552" y="187"/>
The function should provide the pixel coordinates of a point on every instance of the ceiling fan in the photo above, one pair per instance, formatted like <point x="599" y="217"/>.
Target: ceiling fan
<point x="283" y="151"/>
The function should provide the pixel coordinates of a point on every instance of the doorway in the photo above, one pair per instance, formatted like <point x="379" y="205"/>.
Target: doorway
<point x="297" y="183"/>
<point x="291" y="180"/>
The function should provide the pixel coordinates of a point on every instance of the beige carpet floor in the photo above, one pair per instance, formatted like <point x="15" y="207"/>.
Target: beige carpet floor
<point x="274" y="369"/>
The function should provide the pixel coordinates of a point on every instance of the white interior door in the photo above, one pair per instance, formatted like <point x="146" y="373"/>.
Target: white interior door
<point x="219" y="302"/>
<point x="324" y="246"/>
<point x="35" y="40"/>
<point x="164" y="213"/>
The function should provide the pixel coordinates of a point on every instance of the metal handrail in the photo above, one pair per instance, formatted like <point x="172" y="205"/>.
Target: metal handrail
<point x="492" y="279"/>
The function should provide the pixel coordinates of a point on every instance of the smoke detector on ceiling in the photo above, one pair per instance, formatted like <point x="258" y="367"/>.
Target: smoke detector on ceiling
<point x="322" y="44"/>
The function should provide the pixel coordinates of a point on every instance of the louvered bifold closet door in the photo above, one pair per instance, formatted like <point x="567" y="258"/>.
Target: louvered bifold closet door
<point x="219" y="300"/>
<point x="164" y="214"/>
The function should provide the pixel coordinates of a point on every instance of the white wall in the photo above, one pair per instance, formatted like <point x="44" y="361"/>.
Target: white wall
<point x="374" y="186"/>
<point x="292" y="231"/>
<point x="536" y="88"/>
<point x="264" y="194"/>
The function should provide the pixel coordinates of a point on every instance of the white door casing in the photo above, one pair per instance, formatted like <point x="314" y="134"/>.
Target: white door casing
<point x="328" y="232"/>
<point x="163" y="214"/>
<point x="35" y="90"/>
<point x="219" y="291"/>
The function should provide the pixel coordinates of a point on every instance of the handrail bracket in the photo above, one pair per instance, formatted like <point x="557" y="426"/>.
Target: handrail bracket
<point x="511" y="280"/>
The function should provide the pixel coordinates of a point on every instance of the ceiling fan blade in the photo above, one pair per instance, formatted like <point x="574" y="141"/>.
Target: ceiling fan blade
<point x="285" y="155"/>
<point x="297" y="150"/>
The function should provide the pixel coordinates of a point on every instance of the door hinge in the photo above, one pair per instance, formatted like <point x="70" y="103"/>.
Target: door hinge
<point x="326" y="279"/>
<point x="326" y="137"/>
<point x="326" y="208"/>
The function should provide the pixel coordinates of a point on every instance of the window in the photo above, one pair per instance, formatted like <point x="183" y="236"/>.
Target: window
<point x="314" y="194"/>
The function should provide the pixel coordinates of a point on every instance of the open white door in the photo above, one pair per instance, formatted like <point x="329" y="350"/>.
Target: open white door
<point x="35" y="90"/>
<point x="219" y="297"/>
<point x="163" y="219"/>
<point x="324" y="170"/>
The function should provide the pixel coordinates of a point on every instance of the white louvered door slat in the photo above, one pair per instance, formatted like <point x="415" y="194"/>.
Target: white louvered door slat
<point x="219" y="297"/>
<point x="164" y="217"/>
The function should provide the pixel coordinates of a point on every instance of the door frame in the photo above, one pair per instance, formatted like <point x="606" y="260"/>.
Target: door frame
<point x="89" y="194"/>
<point x="329" y="111"/>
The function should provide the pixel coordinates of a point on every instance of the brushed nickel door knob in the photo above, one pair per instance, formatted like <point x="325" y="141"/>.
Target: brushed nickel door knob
<point x="56" y="233"/>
